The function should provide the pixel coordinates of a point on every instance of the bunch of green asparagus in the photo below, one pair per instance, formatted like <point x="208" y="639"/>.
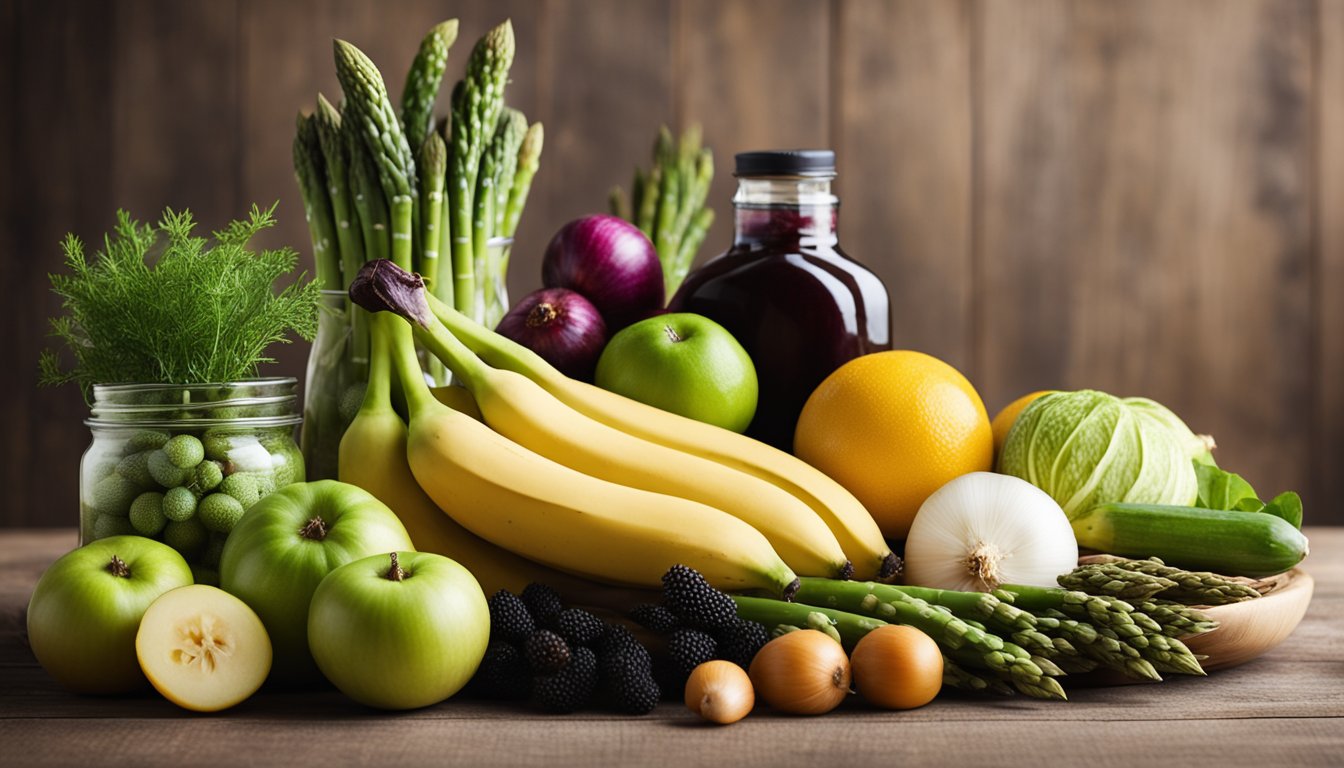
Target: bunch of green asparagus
<point x="441" y="198"/>
<point x="668" y="202"/>
<point x="436" y="197"/>
<point x="1018" y="638"/>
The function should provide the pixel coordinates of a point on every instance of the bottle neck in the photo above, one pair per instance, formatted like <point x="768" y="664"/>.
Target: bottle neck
<point x="794" y="211"/>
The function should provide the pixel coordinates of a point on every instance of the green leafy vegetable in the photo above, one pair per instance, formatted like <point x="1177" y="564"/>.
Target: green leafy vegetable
<point x="1287" y="505"/>
<point x="1220" y="489"/>
<point x="200" y="312"/>
<point x="1223" y="490"/>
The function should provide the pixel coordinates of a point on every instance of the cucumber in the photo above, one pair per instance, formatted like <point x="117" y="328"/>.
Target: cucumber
<point x="1234" y="543"/>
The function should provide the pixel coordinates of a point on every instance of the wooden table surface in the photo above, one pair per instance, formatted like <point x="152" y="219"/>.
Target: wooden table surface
<point x="1286" y="708"/>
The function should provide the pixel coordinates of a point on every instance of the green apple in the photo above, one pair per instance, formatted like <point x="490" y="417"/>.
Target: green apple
<point x="399" y="630"/>
<point x="283" y="547"/>
<point x="87" y="606"/>
<point x="683" y="363"/>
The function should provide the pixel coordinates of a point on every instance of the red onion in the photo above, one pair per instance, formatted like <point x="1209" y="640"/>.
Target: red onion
<point x="561" y="326"/>
<point x="610" y="262"/>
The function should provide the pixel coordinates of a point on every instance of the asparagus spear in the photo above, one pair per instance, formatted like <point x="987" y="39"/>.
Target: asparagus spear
<point x="1189" y="587"/>
<point x="1177" y="620"/>
<point x="497" y="169"/>
<point x="476" y="105"/>
<point x="433" y="168"/>
<point x="529" y="159"/>
<point x="1108" y="579"/>
<point x="369" y="106"/>
<point x="368" y="197"/>
<point x="443" y="288"/>
<point x="512" y="129"/>
<point x="337" y="157"/>
<point x="311" y="174"/>
<point x="423" y="80"/>
<point x="851" y="627"/>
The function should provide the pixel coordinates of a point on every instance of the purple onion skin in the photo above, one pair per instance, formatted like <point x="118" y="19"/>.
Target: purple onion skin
<point x="561" y="326"/>
<point x="611" y="263"/>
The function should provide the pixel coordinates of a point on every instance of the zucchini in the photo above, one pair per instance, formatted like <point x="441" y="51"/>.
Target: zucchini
<point x="1228" y="542"/>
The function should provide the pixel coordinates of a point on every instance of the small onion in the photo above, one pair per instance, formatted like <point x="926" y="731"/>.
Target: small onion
<point x="897" y="667"/>
<point x="981" y="530"/>
<point x="611" y="262"/>
<point x="803" y="673"/>
<point x="720" y="692"/>
<point x="561" y="326"/>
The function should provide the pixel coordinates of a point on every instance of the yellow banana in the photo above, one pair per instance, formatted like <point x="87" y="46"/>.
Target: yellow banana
<point x="845" y="516"/>
<point x="554" y="515"/>
<point x="519" y="409"/>
<point x="373" y="457"/>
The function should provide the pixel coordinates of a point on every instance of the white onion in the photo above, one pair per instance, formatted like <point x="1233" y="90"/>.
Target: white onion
<point x="983" y="529"/>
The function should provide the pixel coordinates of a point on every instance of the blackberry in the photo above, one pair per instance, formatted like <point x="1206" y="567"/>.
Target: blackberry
<point x="619" y="640"/>
<point x="509" y="619"/>
<point x="692" y="599"/>
<point x="579" y="627"/>
<point x="740" y="642"/>
<point x="626" y="683"/>
<point x="544" y="603"/>
<point x="503" y="673"/>
<point x="688" y="649"/>
<point x="547" y="652"/>
<point x="572" y="687"/>
<point x="656" y="618"/>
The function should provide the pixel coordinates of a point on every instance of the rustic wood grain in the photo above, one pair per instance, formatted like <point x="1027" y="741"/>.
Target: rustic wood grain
<point x="1328" y="481"/>
<point x="60" y="181"/>
<point x="904" y="126"/>
<point x="175" y="109"/>
<point x="1144" y="223"/>
<point x="608" y="85"/>
<point x="1143" y="196"/>
<point x="1286" y="708"/>
<point x="752" y="81"/>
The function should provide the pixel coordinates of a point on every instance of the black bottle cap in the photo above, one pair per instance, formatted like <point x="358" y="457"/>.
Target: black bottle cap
<point x="786" y="162"/>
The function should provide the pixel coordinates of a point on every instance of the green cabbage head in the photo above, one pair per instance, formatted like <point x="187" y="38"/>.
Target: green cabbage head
<point x="1087" y="448"/>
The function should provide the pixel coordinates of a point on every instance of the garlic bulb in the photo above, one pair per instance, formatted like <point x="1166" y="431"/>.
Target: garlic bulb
<point x="983" y="529"/>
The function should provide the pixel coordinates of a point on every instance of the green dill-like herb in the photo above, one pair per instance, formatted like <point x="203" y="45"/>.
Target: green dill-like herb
<point x="201" y="312"/>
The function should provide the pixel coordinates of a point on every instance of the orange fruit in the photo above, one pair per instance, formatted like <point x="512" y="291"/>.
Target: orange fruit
<point x="1004" y="419"/>
<point x="892" y="428"/>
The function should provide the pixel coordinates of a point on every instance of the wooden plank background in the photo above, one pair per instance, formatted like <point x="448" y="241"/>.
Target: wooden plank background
<point x="1143" y="197"/>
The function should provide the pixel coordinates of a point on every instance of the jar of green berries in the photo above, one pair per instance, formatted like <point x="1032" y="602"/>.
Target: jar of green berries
<point x="181" y="463"/>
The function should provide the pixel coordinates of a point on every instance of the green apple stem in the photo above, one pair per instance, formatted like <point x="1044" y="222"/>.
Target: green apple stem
<point x="119" y="568"/>
<point x="672" y="335"/>
<point x="396" y="572"/>
<point x="314" y="529"/>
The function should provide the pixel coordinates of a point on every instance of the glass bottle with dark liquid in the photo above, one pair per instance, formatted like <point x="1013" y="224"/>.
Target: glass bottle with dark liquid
<point x="798" y="305"/>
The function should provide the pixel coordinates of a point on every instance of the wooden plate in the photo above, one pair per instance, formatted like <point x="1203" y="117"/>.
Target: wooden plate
<point x="1250" y="628"/>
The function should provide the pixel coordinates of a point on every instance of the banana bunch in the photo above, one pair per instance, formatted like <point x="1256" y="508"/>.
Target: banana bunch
<point x="541" y="476"/>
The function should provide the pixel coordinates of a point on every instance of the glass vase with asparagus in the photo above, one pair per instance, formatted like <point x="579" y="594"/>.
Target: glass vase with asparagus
<point x="380" y="179"/>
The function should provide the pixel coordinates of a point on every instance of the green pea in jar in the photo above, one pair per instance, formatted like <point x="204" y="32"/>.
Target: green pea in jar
<point x="182" y="463"/>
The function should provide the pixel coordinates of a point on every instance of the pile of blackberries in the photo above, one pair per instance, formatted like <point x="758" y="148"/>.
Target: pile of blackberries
<point x="700" y="623"/>
<point x="562" y="659"/>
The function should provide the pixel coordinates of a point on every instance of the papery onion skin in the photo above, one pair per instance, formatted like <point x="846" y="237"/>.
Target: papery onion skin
<point x="611" y="263"/>
<point x="897" y="667"/>
<point x="802" y="673"/>
<point x="720" y="692"/>
<point x="983" y="529"/>
<point x="561" y="326"/>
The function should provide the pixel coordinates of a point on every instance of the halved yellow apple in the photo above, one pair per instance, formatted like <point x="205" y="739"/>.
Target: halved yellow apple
<point x="202" y="648"/>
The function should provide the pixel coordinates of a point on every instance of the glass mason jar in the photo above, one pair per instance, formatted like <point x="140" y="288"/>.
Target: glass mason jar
<point x="338" y="364"/>
<point x="181" y="463"/>
<point x="797" y="303"/>
<point x="338" y="370"/>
